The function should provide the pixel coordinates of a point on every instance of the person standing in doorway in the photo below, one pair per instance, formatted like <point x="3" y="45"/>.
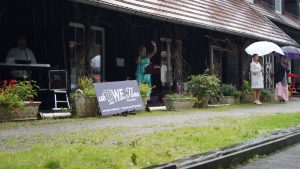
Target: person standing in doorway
<point x="281" y="80"/>
<point x="257" y="81"/>
<point x="142" y="61"/>
<point x="20" y="55"/>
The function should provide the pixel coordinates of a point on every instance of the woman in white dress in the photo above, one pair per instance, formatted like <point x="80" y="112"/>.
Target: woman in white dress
<point x="257" y="81"/>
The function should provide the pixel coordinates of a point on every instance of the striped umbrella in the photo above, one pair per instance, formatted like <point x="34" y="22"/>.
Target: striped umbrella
<point x="291" y="52"/>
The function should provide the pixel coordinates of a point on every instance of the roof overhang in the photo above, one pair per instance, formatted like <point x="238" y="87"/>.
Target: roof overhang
<point x="269" y="31"/>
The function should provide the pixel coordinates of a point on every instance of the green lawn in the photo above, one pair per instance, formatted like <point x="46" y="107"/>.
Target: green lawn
<point x="112" y="148"/>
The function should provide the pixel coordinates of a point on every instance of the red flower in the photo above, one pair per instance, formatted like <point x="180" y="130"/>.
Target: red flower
<point x="97" y="78"/>
<point x="4" y="84"/>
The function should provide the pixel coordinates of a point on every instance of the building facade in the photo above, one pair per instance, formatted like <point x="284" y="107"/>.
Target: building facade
<point x="101" y="37"/>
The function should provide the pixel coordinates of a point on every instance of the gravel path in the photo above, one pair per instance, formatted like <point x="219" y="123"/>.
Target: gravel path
<point x="142" y="123"/>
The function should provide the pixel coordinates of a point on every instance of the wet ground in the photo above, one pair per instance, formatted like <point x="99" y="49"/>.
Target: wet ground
<point x="288" y="158"/>
<point x="143" y="124"/>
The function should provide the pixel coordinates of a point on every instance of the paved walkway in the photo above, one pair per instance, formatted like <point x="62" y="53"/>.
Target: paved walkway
<point x="286" y="159"/>
<point x="142" y="122"/>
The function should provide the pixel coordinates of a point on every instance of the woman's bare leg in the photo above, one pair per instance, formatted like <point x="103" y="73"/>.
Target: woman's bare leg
<point x="255" y="95"/>
<point x="258" y="96"/>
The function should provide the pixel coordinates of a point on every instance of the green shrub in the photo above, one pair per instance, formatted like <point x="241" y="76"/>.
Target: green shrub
<point x="246" y="86"/>
<point x="178" y="96"/>
<point x="145" y="90"/>
<point x="203" y="85"/>
<point x="238" y="94"/>
<point x="86" y="85"/>
<point x="13" y="94"/>
<point x="229" y="90"/>
<point x="266" y="93"/>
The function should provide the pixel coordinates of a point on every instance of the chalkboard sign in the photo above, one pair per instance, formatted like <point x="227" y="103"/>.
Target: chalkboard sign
<point x="118" y="97"/>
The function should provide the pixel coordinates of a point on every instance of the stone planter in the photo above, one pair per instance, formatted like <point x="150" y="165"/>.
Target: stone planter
<point x="267" y="98"/>
<point x="229" y="100"/>
<point x="247" y="98"/>
<point x="29" y="112"/>
<point x="145" y="100"/>
<point x="204" y="101"/>
<point x="179" y="103"/>
<point x="85" y="106"/>
<point x="214" y="100"/>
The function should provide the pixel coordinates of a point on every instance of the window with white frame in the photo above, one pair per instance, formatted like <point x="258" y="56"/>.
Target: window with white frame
<point x="97" y="54"/>
<point x="76" y="42"/>
<point x="278" y="6"/>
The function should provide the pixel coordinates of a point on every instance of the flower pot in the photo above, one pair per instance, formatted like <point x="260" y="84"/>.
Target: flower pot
<point x="247" y="98"/>
<point x="178" y="103"/>
<point x="267" y="98"/>
<point x="29" y="112"/>
<point x="85" y="106"/>
<point x="214" y="100"/>
<point x="230" y="100"/>
<point x="203" y="101"/>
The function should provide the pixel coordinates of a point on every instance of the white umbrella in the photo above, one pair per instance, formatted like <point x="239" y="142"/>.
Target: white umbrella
<point x="263" y="48"/>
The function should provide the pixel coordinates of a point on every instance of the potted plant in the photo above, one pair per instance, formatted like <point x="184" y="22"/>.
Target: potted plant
<point x="178" y="101"/>
<point x="247" y="96"/>
<point x="230" y="95"/>
<point x="266" y="95"/>
<point x="16" y="100"/>
<point x="202" y="87"/>
<point x="85" y="100"/>
<point x="145" y="91"/>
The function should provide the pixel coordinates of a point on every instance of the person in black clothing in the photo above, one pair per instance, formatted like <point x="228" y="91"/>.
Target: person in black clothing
<point x="281" y="80"/>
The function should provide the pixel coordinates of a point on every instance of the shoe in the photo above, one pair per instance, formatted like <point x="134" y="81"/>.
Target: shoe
<point x="255" y="102"/>
<point x="259" y="103"/>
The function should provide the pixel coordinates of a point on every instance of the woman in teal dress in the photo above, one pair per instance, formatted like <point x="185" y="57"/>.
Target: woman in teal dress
<point x="142" y="61"/>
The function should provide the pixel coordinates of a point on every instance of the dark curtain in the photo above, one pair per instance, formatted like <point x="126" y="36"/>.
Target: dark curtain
<point x="41" y="21"/>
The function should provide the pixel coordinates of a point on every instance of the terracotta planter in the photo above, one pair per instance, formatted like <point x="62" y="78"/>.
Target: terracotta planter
<point x="29" y="112"/>
<point x="178" y="103"/>
<point x="85" y="106"/>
